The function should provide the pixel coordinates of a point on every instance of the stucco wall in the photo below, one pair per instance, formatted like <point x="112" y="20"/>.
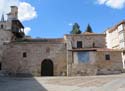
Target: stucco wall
<point x="112" y="39"/>
<point x="84" y="57"/>
<point x="115" y="38"/>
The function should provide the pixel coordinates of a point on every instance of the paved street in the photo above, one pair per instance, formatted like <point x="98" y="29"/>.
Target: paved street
<point x="84" y="83"/>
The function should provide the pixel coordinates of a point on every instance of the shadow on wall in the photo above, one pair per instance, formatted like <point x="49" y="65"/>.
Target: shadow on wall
<point x="20" y="84"/>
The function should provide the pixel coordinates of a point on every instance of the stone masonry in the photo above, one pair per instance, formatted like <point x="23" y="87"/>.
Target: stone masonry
<point x="74" y="55"/>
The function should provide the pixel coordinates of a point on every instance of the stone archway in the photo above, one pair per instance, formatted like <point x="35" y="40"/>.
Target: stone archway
<point x="47" y="68"/>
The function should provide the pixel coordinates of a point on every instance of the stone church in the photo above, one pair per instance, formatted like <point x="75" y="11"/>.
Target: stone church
<point x="73" y="55"/>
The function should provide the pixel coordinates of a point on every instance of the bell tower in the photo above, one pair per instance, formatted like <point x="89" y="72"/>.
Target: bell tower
<point x="14" y="24"/>
<point x="13" y="15"/>
<point x="10" y="30"/>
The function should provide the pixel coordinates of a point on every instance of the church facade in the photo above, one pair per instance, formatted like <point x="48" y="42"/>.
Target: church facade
<point x="73" y="55"/>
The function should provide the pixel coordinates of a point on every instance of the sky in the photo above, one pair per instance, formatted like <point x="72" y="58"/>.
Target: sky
<point x="54" y="18"/>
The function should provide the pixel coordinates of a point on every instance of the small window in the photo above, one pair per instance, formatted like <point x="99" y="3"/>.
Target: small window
<point x="107" y="57"/>
<point x="93" y="45"/>
<point x="1" y="26"/>
<point x="79" y="44"/>
<point x="123" y="52"/>
<point x="24" y="54"/>
<point x="0" y="66"/>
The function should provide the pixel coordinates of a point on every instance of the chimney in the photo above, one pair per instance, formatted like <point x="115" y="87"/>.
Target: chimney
<point x="13" y="15"/>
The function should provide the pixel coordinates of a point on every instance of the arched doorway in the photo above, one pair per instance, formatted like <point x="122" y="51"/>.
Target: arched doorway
<point x="47" y="68"/>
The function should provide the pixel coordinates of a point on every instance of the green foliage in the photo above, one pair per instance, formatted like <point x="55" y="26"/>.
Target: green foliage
<point x="89" y="29"/>
<point x="76" y="29"/>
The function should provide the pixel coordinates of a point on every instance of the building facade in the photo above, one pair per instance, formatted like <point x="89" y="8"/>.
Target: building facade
<point x="74" y="55"/>
<point x="115" y="38"/>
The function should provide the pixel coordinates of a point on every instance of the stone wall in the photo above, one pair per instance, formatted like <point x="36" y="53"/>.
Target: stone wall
<point x="114" y="65"/>
<point x="97" y="64"/>
<point x="83" y="69"/>
<point x="5" y="37"/>
<point x="61" y="53"/>
<point x="7" y="25"/>
<point x="86" y="67"/>
<point x="87" y="40"/>
<point x="14" y="62"/>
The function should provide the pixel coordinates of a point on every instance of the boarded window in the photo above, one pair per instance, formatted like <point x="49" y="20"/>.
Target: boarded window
<point x="0" y="66"/>
<point x="24" y="54"/>
<point x="79" y="44"/>
<point x="83" y="56"/>
<point x="107" y="57"/>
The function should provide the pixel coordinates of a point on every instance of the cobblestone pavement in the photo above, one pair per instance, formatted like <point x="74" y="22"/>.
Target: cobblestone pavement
<point x="84" y="83"/>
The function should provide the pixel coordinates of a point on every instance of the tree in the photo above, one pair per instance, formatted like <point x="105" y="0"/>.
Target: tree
<point x="75" y="29"/>
<point x="89" y="29"/>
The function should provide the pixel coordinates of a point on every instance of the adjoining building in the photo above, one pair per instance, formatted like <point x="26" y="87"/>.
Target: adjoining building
<point x="73" y="55"/>
<point x="115" y="38"/>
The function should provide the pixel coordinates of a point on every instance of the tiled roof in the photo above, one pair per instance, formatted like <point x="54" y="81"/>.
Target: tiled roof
<point x="44" y="40"/>
<point x="87" y="33"/>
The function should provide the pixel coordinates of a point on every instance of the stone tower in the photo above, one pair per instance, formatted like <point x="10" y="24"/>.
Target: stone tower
<point x="13" y="15"/>
<point x="10" y="30"/>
